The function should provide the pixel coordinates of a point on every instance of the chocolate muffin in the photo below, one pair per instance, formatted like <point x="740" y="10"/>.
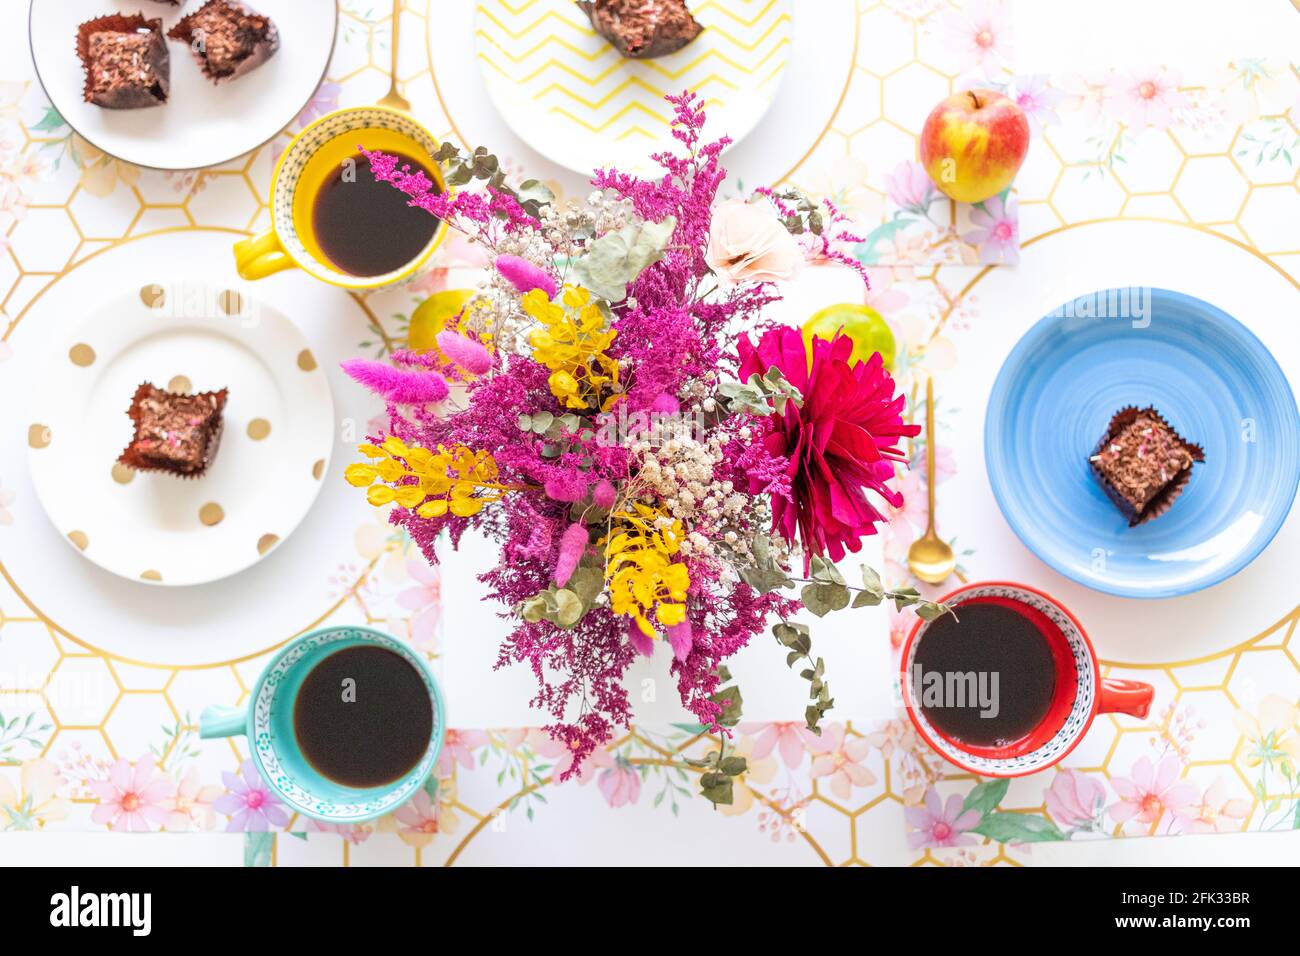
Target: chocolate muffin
<point x="642" y="29"/>
<point x="174" y="433"/>
<point x="1143" y="464"/>
<point x="227" y="38"/>
<point x="126" y="62"/>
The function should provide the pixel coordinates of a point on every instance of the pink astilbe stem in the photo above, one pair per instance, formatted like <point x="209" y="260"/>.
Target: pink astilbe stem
<point x="402" y="386"/>
<point x="484" y="213"/>
<point x="389" y="168"/>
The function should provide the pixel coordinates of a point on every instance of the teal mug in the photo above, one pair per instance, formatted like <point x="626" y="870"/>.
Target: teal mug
<point x="267" y="721"/>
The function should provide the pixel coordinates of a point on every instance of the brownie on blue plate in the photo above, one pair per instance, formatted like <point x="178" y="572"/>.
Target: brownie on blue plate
<point x="1143" y="464"/>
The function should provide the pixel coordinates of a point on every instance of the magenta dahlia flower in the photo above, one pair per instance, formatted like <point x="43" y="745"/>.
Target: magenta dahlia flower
<point x="840" y="444"/>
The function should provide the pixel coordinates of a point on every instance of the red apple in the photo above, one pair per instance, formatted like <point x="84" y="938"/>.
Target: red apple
<point x="973" y="144"/>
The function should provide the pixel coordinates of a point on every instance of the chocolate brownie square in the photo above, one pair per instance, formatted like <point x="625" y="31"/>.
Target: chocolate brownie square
<point x="126" y="62"/>
<point x="227" y="38"/>
<point x="642" y="29"/>
<point x="173" y="432"/>
<point x="1143" y="464"/>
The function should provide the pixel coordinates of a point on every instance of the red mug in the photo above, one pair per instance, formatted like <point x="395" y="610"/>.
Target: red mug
<point x="1081" y="693"/>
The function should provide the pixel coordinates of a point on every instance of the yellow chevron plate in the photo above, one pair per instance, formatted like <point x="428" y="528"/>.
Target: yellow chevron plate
<point x="571" y="96"/>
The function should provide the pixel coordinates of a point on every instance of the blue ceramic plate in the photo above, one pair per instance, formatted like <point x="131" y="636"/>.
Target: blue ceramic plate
<point x="1212" y="380"/>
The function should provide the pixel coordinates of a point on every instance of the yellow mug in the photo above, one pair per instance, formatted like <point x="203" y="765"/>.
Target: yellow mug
<point x="313" y="157"/>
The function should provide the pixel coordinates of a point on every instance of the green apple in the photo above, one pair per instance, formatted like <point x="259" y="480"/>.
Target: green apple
<point x="861" y="323"/>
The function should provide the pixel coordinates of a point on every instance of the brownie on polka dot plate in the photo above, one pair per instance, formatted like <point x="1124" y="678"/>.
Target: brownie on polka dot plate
<point x="174" y="433"/>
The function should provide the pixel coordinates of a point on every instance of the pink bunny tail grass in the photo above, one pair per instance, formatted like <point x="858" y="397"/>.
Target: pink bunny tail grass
<point x="380" y="377"/>
<point x="604" y="494"/>
<point x="465" y="352"/>
<point x="681" y="638"/>
<point x="645" y="646"/>
<point x="525" y="276"/>
<point x="402" y="386"/>
<point x="665" y="404"/>
<point x="420" y="388"/>
<point x="573" y="543"/>
<point x="566" y="488"/>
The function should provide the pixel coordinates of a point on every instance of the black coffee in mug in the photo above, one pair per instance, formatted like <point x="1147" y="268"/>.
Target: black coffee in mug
<point x="365" y="227"/>
<point x="363" y="717"/>
<point x="987" y="676"/>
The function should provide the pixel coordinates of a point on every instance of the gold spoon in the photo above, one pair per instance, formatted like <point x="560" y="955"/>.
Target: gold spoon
<point x="930" y="558"/>
<point x="393" y="99"/>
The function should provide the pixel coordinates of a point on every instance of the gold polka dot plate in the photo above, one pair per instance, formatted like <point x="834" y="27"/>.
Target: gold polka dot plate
<point x="155" y="527"/>
<point x="570" y="95"/>
<point x="201" y="124"/>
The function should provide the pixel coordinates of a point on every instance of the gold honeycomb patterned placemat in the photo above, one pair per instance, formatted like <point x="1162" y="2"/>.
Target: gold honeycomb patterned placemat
<point x="1218" y="155"/>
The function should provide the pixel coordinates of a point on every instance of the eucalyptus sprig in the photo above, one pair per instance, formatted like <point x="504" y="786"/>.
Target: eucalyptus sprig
<point x="460" y="169"/>
<point x="754" y="396"/>
<point x="801" y="213"/>
<point x="824" y="592"/>
<point x="560" y="432"/>
<point x="717" y="782"/>
<point x="612" y="262"/>
<point x="827" y="591"/>
<point x="798" y="639"/>
<point x="565" y="606"/>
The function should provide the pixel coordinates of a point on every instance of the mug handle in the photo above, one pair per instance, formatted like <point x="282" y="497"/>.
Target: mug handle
<point x="222" y="722"/>
<point x="1130" y="697"/>
<point x="261" y="256"/>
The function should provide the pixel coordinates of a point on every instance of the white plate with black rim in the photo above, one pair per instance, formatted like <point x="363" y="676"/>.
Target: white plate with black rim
<point x="155" y="527"/>
<point x="201" y="124"/>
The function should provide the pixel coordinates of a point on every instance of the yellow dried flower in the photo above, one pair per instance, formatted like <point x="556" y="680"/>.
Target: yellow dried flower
<point x="456" y="479"/>
<point x="571" y="340"/>
<point x="639" y="573"/>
